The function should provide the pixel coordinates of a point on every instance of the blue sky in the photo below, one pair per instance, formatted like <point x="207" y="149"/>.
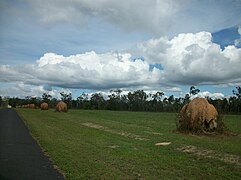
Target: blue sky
<point x="94" y="46"/>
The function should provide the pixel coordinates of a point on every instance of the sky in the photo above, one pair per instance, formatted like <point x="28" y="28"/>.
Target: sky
<point x="97" y="45"/>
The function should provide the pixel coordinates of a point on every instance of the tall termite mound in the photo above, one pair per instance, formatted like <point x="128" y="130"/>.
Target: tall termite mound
<point x="198" y="115"/>
<point x="44" y="106"/>
<point x="61" y="107"/>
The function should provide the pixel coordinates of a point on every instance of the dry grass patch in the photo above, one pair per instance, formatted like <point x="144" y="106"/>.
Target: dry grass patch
<point x="207" y="153"/>
<point x="121" y="133"/>
<point x="163" y="144"/>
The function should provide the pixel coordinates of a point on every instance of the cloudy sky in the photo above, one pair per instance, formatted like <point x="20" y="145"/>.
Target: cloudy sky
<point x="97" y="45"/>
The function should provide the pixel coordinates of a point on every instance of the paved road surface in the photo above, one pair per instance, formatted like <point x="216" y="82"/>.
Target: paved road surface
<point x="20" y="156"/>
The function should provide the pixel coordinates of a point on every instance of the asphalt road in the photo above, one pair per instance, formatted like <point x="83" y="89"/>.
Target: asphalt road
<point x="20" y="156"/>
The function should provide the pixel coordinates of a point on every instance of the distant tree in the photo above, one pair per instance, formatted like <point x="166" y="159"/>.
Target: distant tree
<point x="156" y="103"/>
<point x="222" y="105"/>
<point x="124" y="102"/>
<point x="225" y="105"/>
<point x="53" y="102"/>
<point x="157" y="96"/>
<point x="14" y="102"/>
<point x="31" y="100"/>
<point x="133" y="101"/>
<point x="137" y="100"/>
<point x="46" y="97"/>
<point x="217" y="104"/>
<point x="5" y="101"/>
<point x="237" y="101"/>
<point x="193" y="90"/>
<point x="233" y="104"/>
<point x="178" y="104"/>
<point x="1" y="100"/>
<point x="83" y="101"/>
<point x="171" y="99"/>
<point x="237" y="92"/>
<point x="97" y="101"/>
<point x="186" y="99"/>
<point x="27" y="99"/>
<point x="67" y="98"/>
<point x="168" y="103"/>
<point x="115" y="101"/>
<point x="165" y="100"/>
<point x="79" y="102"/>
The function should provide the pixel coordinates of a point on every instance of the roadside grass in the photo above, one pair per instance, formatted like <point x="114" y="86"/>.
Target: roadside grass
<point x="88" y="144"/>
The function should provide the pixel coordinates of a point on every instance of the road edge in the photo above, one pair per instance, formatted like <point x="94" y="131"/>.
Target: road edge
<point x="41" y="147"/>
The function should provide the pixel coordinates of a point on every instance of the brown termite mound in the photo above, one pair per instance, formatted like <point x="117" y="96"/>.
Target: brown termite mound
<point x="198" y="116"/>
<point x="61" y="107"/>
<point x="32" y="106"/>
<point x="44" y="106"/>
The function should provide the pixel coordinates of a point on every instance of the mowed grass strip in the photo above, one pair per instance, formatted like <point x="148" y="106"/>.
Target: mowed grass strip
<point x="87" y="144"/>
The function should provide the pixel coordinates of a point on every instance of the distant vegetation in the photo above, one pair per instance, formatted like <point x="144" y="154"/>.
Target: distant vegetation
<point x="134" y="101"/>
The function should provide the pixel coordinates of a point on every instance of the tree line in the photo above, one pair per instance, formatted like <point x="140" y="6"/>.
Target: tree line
<point x="133" y="101"/>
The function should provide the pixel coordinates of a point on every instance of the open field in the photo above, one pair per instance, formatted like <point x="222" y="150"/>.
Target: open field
<point x="121" y="145"/>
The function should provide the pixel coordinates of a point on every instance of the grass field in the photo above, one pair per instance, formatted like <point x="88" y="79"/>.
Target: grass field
<point x="121" y="145"/>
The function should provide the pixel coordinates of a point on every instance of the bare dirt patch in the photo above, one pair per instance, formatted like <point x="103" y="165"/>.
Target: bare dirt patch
<point x="113" y="146"/>
<point x="163" y="144"/>
<point x="225" y="157"/>
<point x="154" y="133"/>
<point x="121" y="133"/>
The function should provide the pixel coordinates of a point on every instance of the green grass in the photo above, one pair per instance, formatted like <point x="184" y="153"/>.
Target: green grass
<point x="110" y="150"/>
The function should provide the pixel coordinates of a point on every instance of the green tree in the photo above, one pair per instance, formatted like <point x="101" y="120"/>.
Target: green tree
<point x="28" y="99"/>
<point x="115" y="98"/>
<point x="32" y="100"/>
<point x="53" y="102"/>
<point x="67" y="98"/>
<point x="157" y="96"/>
<point x="83" y="102"/>
<point x="168" y="103"/>
<point x="156" y="103"/>
<point x="237" y="92"/>
<point x="193" y="90"/>
<point x="46" y="97"/>
<point x="186" y="99"/>
<point x="1" y="100"/>
<point x="178" y="104"/>
<point x="14" y="102"/>
<point x="225" y="105"/>
<point x="137" y="100"/>
<point x="171" y="99"/>
<point x="97" y="101"/>
<point x="237" y="101"/>
<point x="80" y="102"/>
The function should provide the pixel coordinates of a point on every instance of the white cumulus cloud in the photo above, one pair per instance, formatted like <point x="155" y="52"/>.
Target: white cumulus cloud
<point x="237" y="42"/>
<point x="22" y="90"/>
<point x="86" y="71"/>
<point x="193" y="59"/>
<point x="187" y="59"/>
<point x="209" y="94"/>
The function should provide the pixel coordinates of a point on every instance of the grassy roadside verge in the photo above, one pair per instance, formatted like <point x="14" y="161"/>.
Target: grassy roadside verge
<point x="121" y="145"/>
